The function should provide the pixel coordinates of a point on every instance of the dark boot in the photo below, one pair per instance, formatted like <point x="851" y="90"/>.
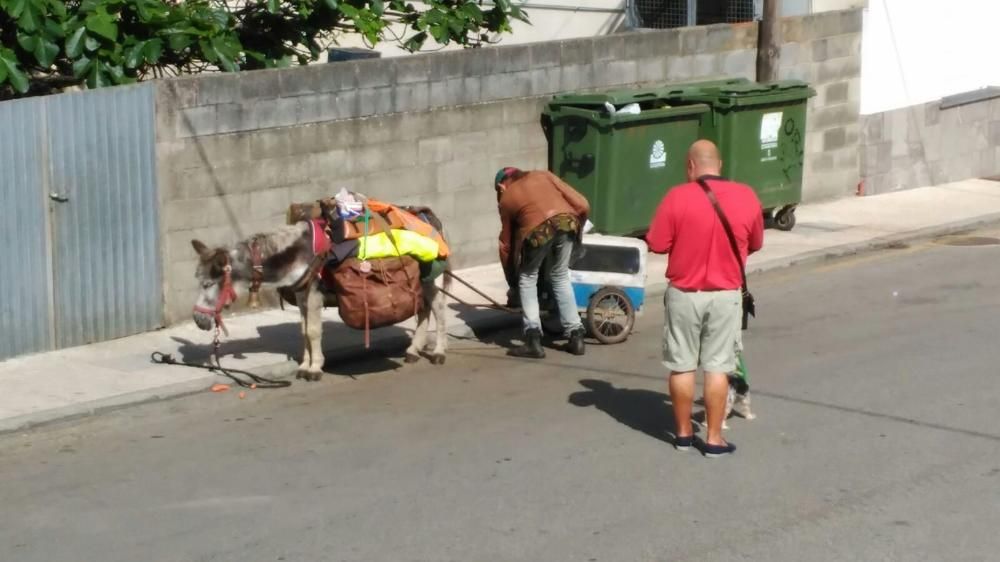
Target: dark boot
<point x="532" y="346"/>
<point x="576" y="345"/>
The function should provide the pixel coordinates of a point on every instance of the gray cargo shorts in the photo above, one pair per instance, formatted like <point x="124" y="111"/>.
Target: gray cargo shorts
<point x="701" y="329"/>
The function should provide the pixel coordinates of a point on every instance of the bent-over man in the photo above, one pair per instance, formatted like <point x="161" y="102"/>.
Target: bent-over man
<point x="541" y="218"/>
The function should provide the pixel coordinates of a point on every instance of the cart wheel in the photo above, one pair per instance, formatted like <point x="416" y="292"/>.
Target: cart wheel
<point x="785" y="219"/>
<point x="610" y="316"/>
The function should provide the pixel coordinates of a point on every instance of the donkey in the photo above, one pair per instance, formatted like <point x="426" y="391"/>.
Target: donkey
<point x="285" y="259"/>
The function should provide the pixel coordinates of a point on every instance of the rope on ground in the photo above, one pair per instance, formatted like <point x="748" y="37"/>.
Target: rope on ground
<point x="258" y="381"/>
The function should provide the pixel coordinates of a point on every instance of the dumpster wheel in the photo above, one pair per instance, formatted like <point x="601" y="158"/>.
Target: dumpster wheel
<point x="610" y="316"/>
<point x="785" y="219"/>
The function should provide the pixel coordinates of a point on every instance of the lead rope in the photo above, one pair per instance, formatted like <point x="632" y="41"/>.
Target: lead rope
<point x="258" y="381"/>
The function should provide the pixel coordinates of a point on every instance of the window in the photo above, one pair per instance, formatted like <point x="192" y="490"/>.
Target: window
<point x="660" y="14"/>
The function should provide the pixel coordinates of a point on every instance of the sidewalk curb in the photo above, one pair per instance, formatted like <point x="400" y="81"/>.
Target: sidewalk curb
<point x="852" y="248"/>
<point x="493" y="322"/>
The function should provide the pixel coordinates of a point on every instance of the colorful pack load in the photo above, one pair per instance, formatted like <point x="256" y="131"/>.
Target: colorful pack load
<point x="346" y="211"/>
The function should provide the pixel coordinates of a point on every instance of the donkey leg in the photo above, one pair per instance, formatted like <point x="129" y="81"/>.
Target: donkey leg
<point x="419" y="339"/>
<point x="311" y="308"/>
<point x="440" y="327"/>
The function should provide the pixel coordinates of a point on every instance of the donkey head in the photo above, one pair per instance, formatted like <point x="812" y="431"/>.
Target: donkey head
<point x="214" y="276"/>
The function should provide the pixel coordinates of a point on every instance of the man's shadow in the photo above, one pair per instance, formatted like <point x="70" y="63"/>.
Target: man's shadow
<point x="643" y="410"/>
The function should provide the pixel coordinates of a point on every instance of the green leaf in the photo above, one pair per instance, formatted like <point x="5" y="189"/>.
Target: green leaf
<point x="58" y="8"/>
<point x="439" y="33"/>
<point x="332" y="4"/>
<point x="74" y="45"/>
<point x="3" y="73"/>
<point x="31" y="16"/>
<point x="98" y="77"/>
<point x="179" y="41"/>
<point x="81" y="66"/>
<point x="473" y="12"/>
<point x="53" y="29"/>
<point x="16" y="7"/>
<point x="101" y="23"/>
<point x="91" y="43"/>
<point x="27" y="42"/>
<point x="117" y="74"/>
<point x="415" y="43"/>
<point x="226" y="53"/>
<point x="12" y="72"/>
<point x="220" y="18"/>
<point x="272" y="6"/>
<point x="349" y="11"/>
<point x="377" y="7"/>
<point x="134" y="54"/>
<point x="208" y="51"/>
<point x="46" y="52"/>
<point x="150" y="10"/>
<point x="152" y="51"/>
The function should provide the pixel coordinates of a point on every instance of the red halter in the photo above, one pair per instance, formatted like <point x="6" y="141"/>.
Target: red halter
<point x="227" y="296"/>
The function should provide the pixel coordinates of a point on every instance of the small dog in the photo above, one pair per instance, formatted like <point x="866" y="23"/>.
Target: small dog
<point x="738" y="399"/>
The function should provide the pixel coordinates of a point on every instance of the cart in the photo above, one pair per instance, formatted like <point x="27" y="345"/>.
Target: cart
<point x="609" y="283"/>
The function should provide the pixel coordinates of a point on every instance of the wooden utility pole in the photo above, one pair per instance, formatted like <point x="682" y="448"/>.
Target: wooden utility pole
<point x="768" y="39"/>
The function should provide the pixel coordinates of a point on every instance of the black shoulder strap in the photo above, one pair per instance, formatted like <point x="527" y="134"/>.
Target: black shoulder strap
<point x="726" y="226"/>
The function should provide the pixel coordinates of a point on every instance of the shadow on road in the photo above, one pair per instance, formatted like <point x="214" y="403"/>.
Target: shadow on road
<point x="643" y="410"/>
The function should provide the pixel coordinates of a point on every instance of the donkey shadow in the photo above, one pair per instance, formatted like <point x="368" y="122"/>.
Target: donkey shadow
<point x="646" y="411"/>
<point x="286" y="339"/>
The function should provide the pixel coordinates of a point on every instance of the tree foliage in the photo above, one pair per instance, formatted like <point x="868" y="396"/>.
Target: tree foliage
<point x="46" y="45"/>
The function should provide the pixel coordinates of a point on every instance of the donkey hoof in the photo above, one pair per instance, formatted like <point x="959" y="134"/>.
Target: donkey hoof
<point x="438" y="359"/>
<point x="411" y="357"/>
<point x="314" y="376"/>
<point x="302" y="374"/>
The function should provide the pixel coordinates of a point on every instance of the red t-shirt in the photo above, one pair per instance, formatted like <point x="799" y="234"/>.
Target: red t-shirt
<point x="687" y="227"/>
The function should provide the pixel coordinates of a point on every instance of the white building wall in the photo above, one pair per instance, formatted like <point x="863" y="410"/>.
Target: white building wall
<point x="916" y="51"/>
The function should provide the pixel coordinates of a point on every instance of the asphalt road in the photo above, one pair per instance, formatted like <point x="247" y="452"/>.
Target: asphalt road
<point x="875" y="380"/>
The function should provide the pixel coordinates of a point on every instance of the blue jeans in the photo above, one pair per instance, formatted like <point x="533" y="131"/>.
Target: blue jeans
<point x="558" y="252"/>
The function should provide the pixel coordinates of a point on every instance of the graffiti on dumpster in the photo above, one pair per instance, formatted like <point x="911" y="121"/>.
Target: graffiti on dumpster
<point x="791" y="149"/>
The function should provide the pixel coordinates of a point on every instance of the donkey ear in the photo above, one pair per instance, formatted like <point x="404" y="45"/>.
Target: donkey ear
<point x="199" y="247"/>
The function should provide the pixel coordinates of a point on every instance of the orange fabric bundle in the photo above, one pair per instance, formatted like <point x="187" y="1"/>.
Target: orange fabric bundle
<point x="400" y="218"/>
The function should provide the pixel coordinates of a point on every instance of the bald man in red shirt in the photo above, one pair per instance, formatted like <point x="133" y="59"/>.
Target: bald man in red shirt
<point x="703" y="301"/>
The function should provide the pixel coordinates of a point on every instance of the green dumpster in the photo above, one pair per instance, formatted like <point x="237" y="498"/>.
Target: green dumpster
<point x="622" y="161"/>
<point x="760" y="130"/>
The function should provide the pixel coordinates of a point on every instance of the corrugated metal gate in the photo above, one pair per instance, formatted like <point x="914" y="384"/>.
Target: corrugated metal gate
<point x="80" y="255"/>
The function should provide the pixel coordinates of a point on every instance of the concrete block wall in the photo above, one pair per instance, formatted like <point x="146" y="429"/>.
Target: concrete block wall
<point x="825" y="50"/>
<point x="235" y="149"/>
<point x="925" y="145"/>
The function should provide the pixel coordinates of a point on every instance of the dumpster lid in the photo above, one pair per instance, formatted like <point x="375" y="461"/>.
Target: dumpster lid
<point x="756" y="88"/>
<point x="741" y="92"/>
<point x="615" y="97"/>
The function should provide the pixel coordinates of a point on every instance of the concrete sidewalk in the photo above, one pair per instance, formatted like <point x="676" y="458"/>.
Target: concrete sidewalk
<point x="84" y="380"/>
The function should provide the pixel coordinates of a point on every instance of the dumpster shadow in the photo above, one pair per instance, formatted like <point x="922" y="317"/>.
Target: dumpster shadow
<point x="642" y="410"/>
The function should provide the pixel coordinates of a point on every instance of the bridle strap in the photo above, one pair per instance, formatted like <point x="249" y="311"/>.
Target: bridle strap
<point x="227" y="295"/>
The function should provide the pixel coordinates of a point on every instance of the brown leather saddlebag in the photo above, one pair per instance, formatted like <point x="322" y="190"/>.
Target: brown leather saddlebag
<point x="388" y="293"/>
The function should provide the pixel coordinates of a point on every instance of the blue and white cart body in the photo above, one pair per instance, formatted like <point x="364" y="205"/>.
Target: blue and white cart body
<point x="609" y="283"/>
